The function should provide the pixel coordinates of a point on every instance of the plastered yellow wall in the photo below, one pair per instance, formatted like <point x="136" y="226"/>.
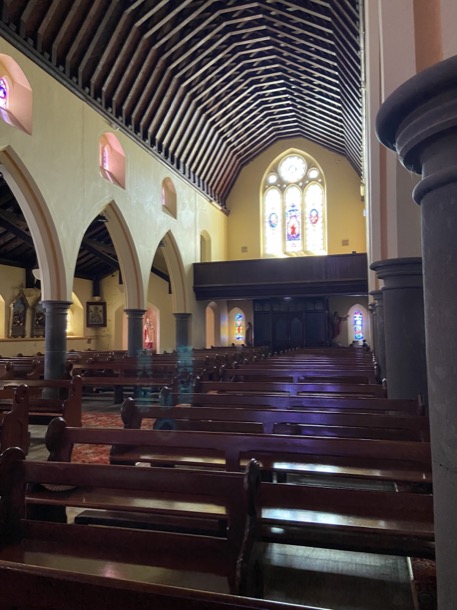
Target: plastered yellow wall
<point x="345" y="218"/>
<point x="61" y="161"/>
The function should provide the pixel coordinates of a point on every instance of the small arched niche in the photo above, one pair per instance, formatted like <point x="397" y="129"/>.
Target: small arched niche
<point x="112" y="159"/>
<point x="15" y="95"/>
<point x="169" y="199"/>
<point x="205" y="247"/>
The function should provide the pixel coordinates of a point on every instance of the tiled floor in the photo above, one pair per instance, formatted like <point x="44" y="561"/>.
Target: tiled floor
<point x="338" y="580"/>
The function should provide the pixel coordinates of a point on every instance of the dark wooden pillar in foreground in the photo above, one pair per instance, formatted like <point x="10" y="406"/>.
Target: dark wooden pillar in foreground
<point x="419" y="122"/>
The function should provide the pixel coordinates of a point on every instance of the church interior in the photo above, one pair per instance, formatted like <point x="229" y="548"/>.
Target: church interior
<point x="272" y="177"/>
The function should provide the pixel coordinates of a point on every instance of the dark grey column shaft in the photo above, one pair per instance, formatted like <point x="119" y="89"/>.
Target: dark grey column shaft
<point x="380" y="342"/>
<point x="404" y="327"/>
<point x="55" y="338"/>
<point x="134" y="331"/>
<point x="182" y="330"/>
<point x="419" y="121"/>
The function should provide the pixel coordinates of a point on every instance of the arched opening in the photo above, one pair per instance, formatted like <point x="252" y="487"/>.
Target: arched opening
<point x="205" y="247"/>
<point x="169" y="199"/>
<point x="15" y="95"/>
<point x="112" y="159"/>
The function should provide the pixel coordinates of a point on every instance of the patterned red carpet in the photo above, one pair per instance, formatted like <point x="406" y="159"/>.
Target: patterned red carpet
<point x="95" y="454"/>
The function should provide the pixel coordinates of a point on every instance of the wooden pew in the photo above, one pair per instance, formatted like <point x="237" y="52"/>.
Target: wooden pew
<point x="289" y="388"/>
<point x="202" y="523"/>
<point x="297" y="374"/>
<point x="349" y="519"/>
<point x="327" y="402"/>
<point x="270" y="421"/>
<point x="42" y="408"/>
<point x="344" y="518"/>
<point x="342" y="458"/>
<point x="28" y="587"/>
<point x="14" y="414"/>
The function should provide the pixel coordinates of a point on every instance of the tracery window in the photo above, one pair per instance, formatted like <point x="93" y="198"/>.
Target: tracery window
<point x="293" y="206"/>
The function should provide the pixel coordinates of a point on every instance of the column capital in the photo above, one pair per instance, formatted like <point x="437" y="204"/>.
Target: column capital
<point x="182" y="316"/>
<point x="419" y="121"/>
<point x="135" y="313"/>
<point x="399" y="272"/>
<point x="56" y="305"/>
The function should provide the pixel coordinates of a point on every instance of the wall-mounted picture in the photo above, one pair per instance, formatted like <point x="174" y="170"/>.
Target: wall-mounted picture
<point x="95" y="313"/>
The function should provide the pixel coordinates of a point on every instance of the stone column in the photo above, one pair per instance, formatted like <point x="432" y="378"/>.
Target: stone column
<point x="404" y="327"/>
<point x="134" y="331"/>
<point x="380" y="343"/>
<point x="419" y="121"/>
<point x="55" y="338"/>
<point x="182" y="330"/>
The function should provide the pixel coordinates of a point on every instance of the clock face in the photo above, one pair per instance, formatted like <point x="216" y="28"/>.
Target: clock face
<point x="292" y="168"/>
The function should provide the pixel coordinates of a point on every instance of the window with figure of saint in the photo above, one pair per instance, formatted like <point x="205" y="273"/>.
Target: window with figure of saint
<point x="239" y="327"/>
<point x="18" y="315"/>
<point x="358" y="326"/>
<point x="294" y="204"/>
<point x="38" y="320"/>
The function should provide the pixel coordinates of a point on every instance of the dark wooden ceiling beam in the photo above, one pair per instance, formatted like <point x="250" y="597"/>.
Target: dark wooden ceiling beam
<point x="12" y="10"/>
<point x="65" y="34"/>
<point x="13" y="224"/>
<point x="50" y="26"/>
<point x="120" y="71"/>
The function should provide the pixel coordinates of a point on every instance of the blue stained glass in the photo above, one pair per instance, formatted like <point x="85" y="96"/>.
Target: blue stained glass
<point x="358" y="325"/>
<point x="3" y="93"/>
<point x="239" y="327"/>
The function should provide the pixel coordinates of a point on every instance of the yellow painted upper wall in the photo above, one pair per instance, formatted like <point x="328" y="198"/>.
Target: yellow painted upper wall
<point x="345" y="219"/>
<point x="61" y="161"/>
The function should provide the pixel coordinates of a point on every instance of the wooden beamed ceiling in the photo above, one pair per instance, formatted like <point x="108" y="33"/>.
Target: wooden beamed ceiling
<point x="205" y="85"/>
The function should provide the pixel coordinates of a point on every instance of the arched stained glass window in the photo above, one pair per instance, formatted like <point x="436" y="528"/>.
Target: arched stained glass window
<point x="357" y="323"/>
<point x="293" y="196"/>
<point x="239" y="327"/>
<point x="105" y="150"/>
<point x="273" y="221"/>
<point x="293" y="206"/>
<point x="3" y="93"/>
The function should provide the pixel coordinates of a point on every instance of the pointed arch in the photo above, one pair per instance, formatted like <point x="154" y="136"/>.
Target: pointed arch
<point x="56" y="284"/>
<point x="127" y="255"/>
<point x="16" y="95"/>
<point x="175" y="267"/>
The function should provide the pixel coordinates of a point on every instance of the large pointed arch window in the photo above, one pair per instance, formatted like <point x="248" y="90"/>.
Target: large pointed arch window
<point x="293" y="208"/>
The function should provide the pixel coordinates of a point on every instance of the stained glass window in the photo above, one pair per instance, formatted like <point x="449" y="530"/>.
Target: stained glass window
<point x="358" y="325"/>
<point x="292" y="168"/>
<point x="314" y="207"/>
<point x="3" y="93"/>
<point x="294" y="208"/>
<point x="239" y="327"/>
<point x="105" y="157"/>
<point x="273" y="221"/>
<point x="293" y="219"/>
